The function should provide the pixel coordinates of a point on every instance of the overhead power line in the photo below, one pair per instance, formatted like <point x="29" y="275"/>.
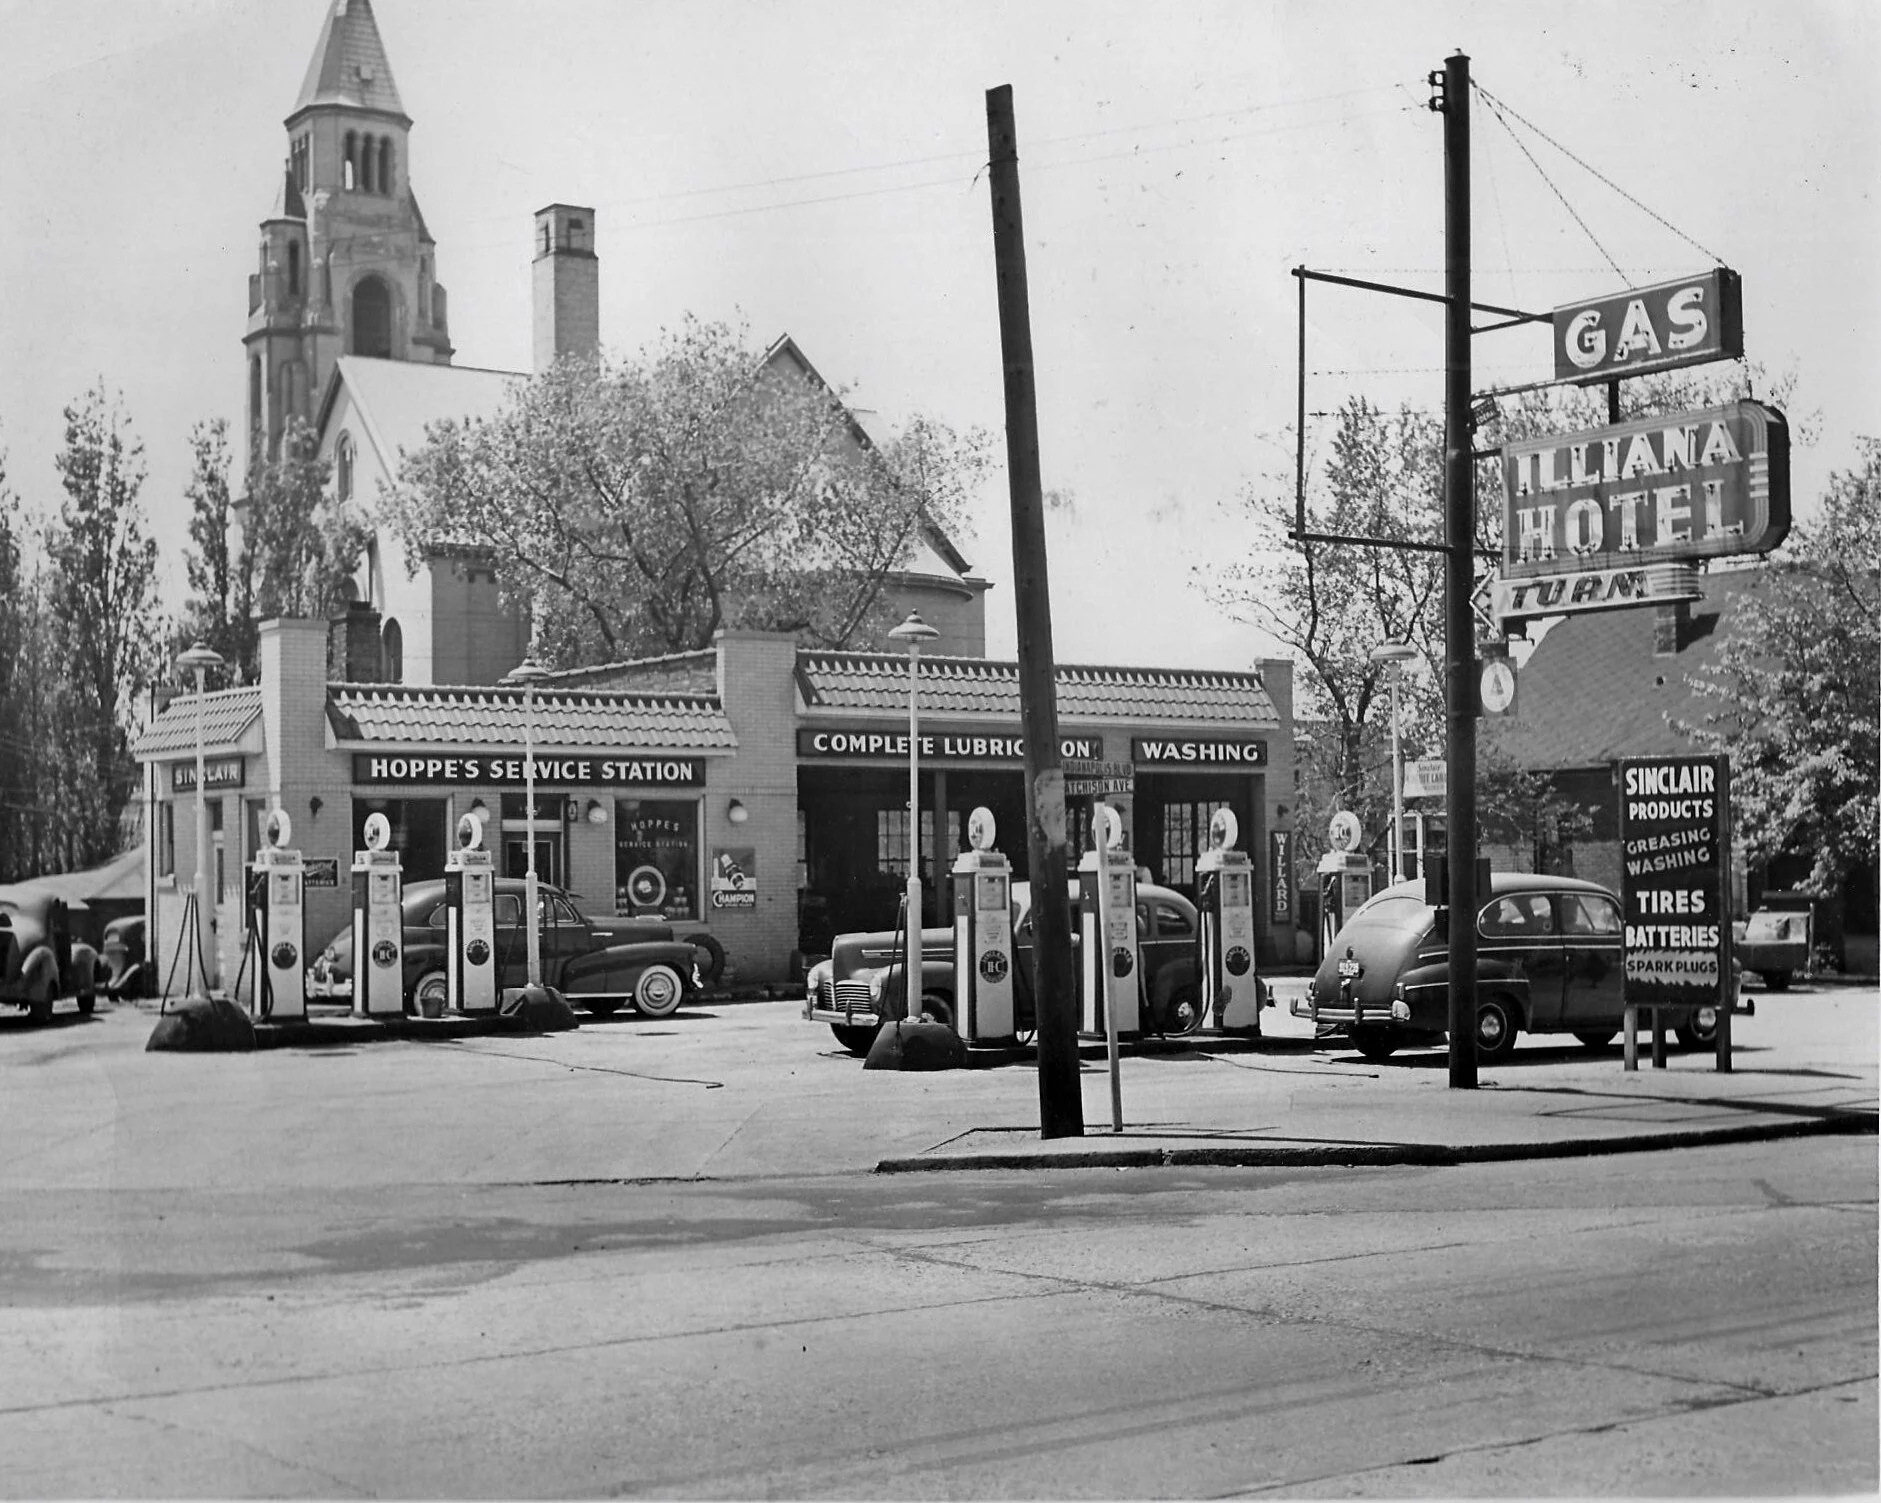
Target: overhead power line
<point x="1499" y="106"/>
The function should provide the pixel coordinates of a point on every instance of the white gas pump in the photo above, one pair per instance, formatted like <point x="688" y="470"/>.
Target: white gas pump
<point x="1225" y="883"/>
<point x="470" y="920"/>
<point x="277" y="918"/>
<point x="1111" y="983"/>
<point x="1345" y="877"/>
<point x="983" y="956"/>
<point x="378" y="924"/>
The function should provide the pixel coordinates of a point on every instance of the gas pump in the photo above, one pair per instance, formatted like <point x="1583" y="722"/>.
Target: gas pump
<point x="470" y="920"/>
<point x="983" y="954"/>
<point x="277" y="921"/>
<point x="1345" y="877"/>
<point x="1111" y="983"/>
<point x="1225" y="883"/>
<point x="378" y="924"/>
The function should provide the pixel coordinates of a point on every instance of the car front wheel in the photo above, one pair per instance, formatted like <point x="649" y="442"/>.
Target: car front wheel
<point x="432" y="995"/>
<point x="1777" y="981"/>
<point x="1182" y="1013"/>
<point x="658" y="992"/>
<point x="1702" y="1031"/>
<point x="1495" y="1030"/>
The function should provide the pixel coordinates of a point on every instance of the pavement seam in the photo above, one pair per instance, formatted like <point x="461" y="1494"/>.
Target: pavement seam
<point x="1356" y="1155"/>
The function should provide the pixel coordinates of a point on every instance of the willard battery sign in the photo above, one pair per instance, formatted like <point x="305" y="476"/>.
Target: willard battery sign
<point x="1675" y="833"/>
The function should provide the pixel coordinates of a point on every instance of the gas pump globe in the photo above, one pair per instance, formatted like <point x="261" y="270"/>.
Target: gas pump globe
<point x="983" y="956"/>
<point x="1225" y="888"/>
<point x="277" y="921"/>
<point x="1345" y="876"/>
<point x="1111" y="982"/>
<point x="378" y="924"/>
<point x="470" y="920"/>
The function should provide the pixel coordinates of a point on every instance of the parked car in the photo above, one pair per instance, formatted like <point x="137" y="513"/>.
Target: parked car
<point x="1776" y="941"/>
<point x="860" y="984"/>
<point x="1549" y="960"/>
<point x="599" y="966"/>
<point x="128" y="971"/>
<point x="40" y="961"/>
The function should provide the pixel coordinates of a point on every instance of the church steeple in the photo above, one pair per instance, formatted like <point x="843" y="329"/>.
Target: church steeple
<point x="347" y="265"/>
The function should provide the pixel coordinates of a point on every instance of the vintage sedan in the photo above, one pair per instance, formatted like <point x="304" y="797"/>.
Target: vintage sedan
<point x="598" y="966"/>
<point x="1549" y="960"/>
<point x="859" y="985"/>
<point x="40" y="960"/>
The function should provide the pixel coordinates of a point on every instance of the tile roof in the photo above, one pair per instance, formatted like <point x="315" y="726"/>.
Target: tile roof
<point x="1593" y="690"/>
<point x="483" y="715"/>
<point x="870" y="681"/>
<point x="226" y="714"/>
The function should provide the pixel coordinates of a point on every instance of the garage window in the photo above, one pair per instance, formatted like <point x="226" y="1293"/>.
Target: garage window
<point x="656" y="857"/>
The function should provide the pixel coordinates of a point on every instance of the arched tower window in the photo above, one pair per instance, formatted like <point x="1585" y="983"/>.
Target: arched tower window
<point x="293" y="268"/>
<point x="369" y="163"/>
<point x="254" y="393"/>
<point x="392" y="640"/>
<point x="343" y="468"/>
<point x="349" y="164"/>
<point x="372" y="318"/>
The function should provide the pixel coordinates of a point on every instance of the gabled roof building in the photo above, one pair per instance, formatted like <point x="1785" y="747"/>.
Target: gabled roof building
<point x="786" y="764"/>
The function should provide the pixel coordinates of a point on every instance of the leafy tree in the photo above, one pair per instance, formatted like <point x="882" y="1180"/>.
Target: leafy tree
<point x="221" y="595"/>
<point x="1792" y="693"/>
<point x="641" y="505"/>
<point x="16" y="761"/>
<point x="102" y="599"/>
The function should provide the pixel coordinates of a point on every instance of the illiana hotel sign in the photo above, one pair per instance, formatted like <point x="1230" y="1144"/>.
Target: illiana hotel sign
<point x="1588" y="513"/>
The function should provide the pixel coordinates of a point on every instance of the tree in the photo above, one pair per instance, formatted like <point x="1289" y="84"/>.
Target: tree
<point x="1332" y="603"/>
<point x="103" y="608"/>
<point x="639" y="506"/>
<point x="16" y="761"/>
<point x="221" y="595"/>
<point x="1792" y="696"/>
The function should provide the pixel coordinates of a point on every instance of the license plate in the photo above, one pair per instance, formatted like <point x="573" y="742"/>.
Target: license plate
<point x="1349" y="969"/>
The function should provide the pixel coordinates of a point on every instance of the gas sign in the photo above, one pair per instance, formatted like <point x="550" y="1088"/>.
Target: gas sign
<point x="1657" y="328"/>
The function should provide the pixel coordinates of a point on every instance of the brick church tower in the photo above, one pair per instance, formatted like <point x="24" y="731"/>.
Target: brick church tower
<point x="347" y="265"/>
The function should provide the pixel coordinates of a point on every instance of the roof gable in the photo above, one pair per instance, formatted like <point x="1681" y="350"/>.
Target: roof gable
<point x="226" y="715"/>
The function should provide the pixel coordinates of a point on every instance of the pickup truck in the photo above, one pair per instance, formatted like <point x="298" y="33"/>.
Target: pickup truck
<point x="40" y="961"/>
<point x="598" y="966"/>
<point x="860" y="985"/>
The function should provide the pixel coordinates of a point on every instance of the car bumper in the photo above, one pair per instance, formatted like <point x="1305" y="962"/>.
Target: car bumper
<point x="1343" y="1017"/>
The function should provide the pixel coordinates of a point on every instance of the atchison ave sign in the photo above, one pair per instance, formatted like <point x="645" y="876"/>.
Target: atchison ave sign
<point x="1692" y="485"/>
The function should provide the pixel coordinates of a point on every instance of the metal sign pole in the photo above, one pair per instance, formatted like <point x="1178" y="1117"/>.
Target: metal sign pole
<point x="1100" y="834"/>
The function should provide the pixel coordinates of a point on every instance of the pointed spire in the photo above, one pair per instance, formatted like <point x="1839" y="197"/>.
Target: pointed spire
<point x="349" y="65"/>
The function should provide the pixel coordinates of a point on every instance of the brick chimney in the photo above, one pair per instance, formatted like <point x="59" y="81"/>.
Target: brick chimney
<point x="355" y="653"/>
<point x="567" y="285"/>
<point x="1671" y="627"/>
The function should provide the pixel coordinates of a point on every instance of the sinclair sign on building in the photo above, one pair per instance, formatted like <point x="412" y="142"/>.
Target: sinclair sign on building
<point x="1586" y="514"/>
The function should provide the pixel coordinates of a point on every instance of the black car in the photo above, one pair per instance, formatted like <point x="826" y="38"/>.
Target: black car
<point x="599" y="966"/>
<point x="1549" y="960"/>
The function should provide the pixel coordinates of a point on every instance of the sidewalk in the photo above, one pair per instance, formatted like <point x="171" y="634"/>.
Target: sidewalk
<point x="1805" y="1065"/>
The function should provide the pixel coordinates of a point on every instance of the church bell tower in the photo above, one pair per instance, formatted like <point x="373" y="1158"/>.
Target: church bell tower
<point x="347" y="265"/>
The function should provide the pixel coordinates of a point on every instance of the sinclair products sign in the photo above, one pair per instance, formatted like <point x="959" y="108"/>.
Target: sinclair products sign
<point x="1590" y="512"/>
<point x="1674" y="835"/>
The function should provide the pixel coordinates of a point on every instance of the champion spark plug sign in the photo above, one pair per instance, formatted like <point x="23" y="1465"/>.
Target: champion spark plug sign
<point x="1688" y="486"/>
<point x="1657" y="328"/>
<point x="1674" y="832"/>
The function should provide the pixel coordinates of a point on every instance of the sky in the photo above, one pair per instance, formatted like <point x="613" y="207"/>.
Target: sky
<point x="817" y="168"/>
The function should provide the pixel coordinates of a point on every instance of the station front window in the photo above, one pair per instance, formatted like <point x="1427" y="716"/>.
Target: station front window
<point x="419" y="832"/>
<point x="656" y="857"/>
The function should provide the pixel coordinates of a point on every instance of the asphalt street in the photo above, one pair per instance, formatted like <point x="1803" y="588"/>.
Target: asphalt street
<point x="653" y="1259"/>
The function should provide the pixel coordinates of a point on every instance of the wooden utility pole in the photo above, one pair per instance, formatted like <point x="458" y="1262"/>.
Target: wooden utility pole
<point x="1459" y="576"/>
<point x="1060" y="1095"/>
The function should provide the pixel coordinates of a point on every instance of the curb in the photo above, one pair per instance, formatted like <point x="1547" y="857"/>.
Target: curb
<point x="1363" y="1155"/>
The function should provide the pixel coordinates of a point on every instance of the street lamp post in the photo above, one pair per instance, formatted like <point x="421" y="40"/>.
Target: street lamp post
<point x="199" y="659"/>
<point x="1396" y="654"/>
<point x="914" y="631"/>
<point x="528" y="673"/>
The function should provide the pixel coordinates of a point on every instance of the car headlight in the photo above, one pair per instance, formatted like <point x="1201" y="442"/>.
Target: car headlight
<point x="819" y="976"/>
<point x="877" y="981"/>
